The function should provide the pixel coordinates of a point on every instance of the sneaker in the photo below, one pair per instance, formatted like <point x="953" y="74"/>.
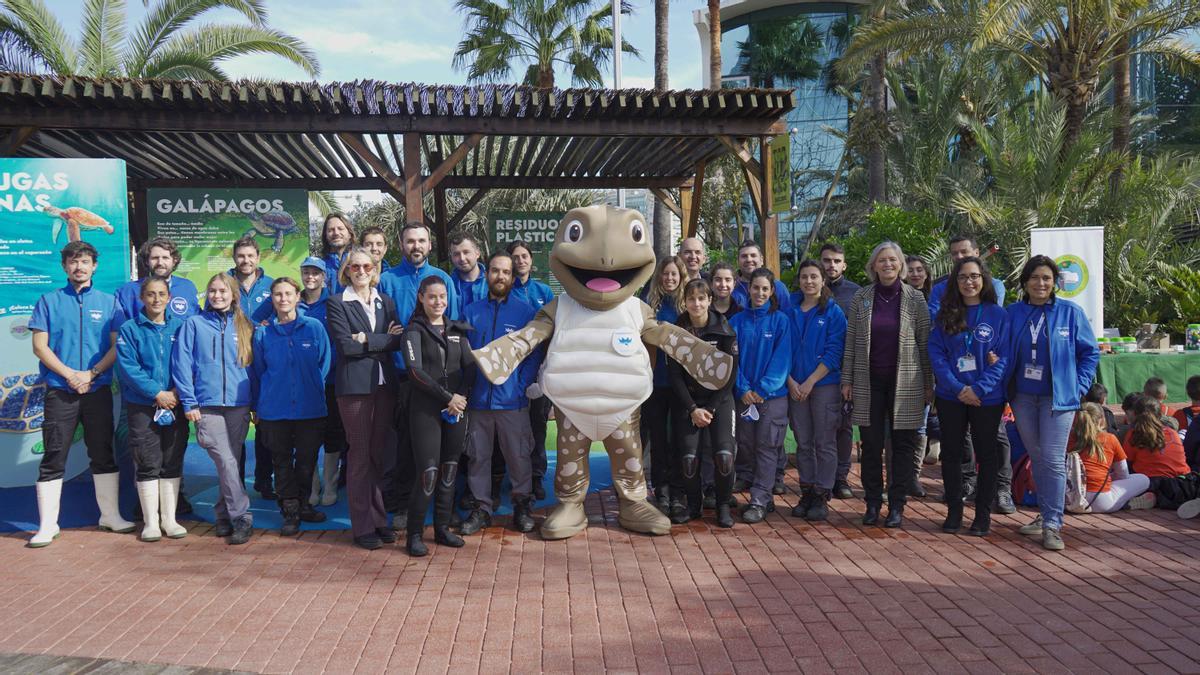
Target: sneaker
<point x="1033" y="529"/>
<point x="1004" y="503"/>
<point x="1146" y="500"/>
<point x="1052" y="540"/>
<point x="1189" y="509"/>
<point x="841" y="490"/>
<point x="754" y="514"/>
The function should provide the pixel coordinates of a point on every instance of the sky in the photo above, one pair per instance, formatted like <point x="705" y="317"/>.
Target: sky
<point x="414" y="40"/>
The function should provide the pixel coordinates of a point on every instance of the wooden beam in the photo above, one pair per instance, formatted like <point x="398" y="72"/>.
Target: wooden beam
<point x="16" y="138"/>
<point x="450" y="162"/>
<point x="665" y="197"/>
<point x="377" y="164"/>
<point x="373" y="183"/>
<point x="687" y="204"/>
<point x="439" y="221"/>
<point x="754" y="186"/>
<point x="741" y="150"/>
<point x="768" y="220"/>
<point x="466" y="208"/>
<point x="693" y="221"/>
<point x="412" y="176"/>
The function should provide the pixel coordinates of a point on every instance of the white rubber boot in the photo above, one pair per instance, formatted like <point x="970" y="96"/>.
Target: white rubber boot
<point x="168" y="498"/>
<point x="314" y="497"/>
<point x="49" y="495"/>
<point x="106" y="498"/>
<point x="933" y="451"/>
<point x="148" y="496"/>
<point x="331" y="478"/>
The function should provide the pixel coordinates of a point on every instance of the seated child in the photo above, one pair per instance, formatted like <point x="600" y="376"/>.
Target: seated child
<point x="1098" y="394"/>
<point x="1110" y="486"/>
<point x="1156" y="389"/>
<point x="1185" y="415"/>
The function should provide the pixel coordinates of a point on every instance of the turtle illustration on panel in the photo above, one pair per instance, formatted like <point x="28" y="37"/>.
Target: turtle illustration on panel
<point x="21" y="402"/>
<point x="76" y="218"/>
<point x="277" y="224"/>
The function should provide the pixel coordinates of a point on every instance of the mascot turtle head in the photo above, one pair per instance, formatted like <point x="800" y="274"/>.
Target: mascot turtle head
<point x="602" y="255"/>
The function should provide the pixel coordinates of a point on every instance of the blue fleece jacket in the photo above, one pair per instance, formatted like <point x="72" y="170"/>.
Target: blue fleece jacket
<point x="144" y="357"/>
<point x="205" y="364"/>
<point x="333" y="265"/>
<point x="400" y="284"/>
<point x="987" y="331"/>
<point x="667" y="313"/>
<point x="741" y="293"/>
<point x="489" y="320"/>
<point x="765" y="352"/>
<point x="291" y="364"/>
<point x="316" y="310"/>
<point x="79" y="327"/>
<point x="939" y="291"/>
<point x="817" y="337"/>
<point x="256" y="302"/>
<point x="1073" y="353"/>
<point x="184" y="300"/>
<point x="469" y="291"/>
<point x="533" y="292"/>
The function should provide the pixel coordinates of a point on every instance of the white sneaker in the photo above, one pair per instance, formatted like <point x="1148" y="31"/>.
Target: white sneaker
<point x="1189" y="509"/>
<point x="148" y="496"/>
<point x="106" y="499"/>
<point x="1146" y="500"/>
<point x="1033" y="529"/>
<point x="49" y="494"/>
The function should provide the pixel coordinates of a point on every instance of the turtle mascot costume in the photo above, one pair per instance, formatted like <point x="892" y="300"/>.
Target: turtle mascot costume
<point x="598" y="371"/>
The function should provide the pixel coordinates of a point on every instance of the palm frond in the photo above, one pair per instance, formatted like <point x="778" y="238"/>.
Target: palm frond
<point x="168" y="17"/>
<point x="36" y="27"/>
<point x="217" y="42"/>
<point x="103" y="35"/>
<point x="325" y="201"/>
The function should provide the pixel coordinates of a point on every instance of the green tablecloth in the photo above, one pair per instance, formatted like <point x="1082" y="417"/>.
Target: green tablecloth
<point x="1125" y="373"/>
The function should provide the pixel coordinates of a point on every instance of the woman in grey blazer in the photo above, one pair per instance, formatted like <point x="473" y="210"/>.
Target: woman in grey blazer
<point x="887" y="376"/>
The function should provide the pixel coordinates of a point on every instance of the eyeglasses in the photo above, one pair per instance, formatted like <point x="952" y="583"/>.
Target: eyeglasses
<point x="970" y="277"/>
<point x="360" y="267"/>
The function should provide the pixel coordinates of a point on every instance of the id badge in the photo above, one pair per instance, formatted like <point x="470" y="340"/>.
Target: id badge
<point x="966" y="364"/>
<point x="1034" y="373"/>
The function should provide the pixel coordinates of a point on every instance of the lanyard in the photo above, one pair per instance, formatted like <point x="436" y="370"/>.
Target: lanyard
<point x="970" y="339"/>
<point x="1035" y="332"/>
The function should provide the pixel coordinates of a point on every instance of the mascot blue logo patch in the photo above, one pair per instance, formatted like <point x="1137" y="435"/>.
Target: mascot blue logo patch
<point x="625" y="340"/>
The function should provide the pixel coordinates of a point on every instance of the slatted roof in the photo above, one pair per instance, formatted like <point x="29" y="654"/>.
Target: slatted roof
<point x="350" y="135"/>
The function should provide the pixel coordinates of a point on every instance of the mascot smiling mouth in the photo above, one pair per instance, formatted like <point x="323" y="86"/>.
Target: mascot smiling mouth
<point x="605" y="281"/>
<point x="602" y="255"/>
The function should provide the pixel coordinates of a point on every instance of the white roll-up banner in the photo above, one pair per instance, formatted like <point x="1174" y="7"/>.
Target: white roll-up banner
<point x="1079" y="253"/>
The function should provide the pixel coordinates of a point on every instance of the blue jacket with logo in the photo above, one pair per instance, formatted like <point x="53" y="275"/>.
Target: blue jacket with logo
<point x="818" y="336"/>
<point x="939" y="291"/>
<point x="765" y="356"/>
<point x="333" y="265"/>
<point x="256" y="302"/>
<point x="741" y="293"/>
<point x="1074" y="355"/>
<point x="400" y="284"/>
<point x="291" y="364"/>
<point x="491" y="319"/>
<point x="79" y="327"/>
<point x="183" y="302"/>
<point x="987" y="328"/>
<point x="205" y="363"/>
<point x="144" y="357"/>
<point x="469" y="291"/>
<point x="533" y="291"/>
<point x="316" y="310"/>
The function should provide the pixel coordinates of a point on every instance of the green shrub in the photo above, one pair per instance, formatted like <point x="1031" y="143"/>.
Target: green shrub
<point x="917" y="232"/>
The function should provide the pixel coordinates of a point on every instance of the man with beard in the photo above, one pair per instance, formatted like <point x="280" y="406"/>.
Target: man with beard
<point x="833" y="259"/>
<point x="157" y="258"/>
<point x="400" y="284"/>
<point x="500" y="410"/>
<point x="750" y="258"/>
<point x="337" y="236"/>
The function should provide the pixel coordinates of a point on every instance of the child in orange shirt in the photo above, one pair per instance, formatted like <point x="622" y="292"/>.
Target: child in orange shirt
<point x="1185" y="415"/>
<point x="1152" y="448"/>
<point x="1110" y="486"/>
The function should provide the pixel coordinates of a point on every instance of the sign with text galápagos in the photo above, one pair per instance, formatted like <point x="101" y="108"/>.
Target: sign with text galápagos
<point x="781" y="174"/>
<point x="206" y="223"/>
<point x="536" y="228"/>
<point x="44" y="204"/>
<point x="1079" y="253"/>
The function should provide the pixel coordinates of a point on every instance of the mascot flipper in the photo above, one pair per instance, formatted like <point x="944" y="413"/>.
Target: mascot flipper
<point x="597" y="370"/>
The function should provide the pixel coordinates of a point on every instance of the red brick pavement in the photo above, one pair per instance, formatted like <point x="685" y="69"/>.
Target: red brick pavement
<point x="779" y="596"/>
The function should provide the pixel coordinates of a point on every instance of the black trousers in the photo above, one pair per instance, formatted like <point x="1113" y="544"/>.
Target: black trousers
<point x="436" y="446"/>
<point x="656" y="437"/>
<point x="334" y="436"/>
<point x="1003" y="446"/>
<point x="63" y="411"/>
<point x="960" y="422"/>
<point x="157" y="450"/>
<point x="715" y="441"/>
<point x="399" y="480"/>
<point x="904" y="447"/>
<point x="293" y="445"/>
<point x="539" y="416"/>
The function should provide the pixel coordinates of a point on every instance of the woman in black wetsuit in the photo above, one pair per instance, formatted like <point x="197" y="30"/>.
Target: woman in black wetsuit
<point x="440" y="369"/>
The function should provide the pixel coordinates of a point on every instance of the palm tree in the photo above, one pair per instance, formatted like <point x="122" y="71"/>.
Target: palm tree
<point x="714" y="43"/>
<point x="166" y="44"/>
<point x="661" y="216"/>
<point x="786" y="48"/>
<point x="540" y="34"/>
<point x="1065" y="43"/>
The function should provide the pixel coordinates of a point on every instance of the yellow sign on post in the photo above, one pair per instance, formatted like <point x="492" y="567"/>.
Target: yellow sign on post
<point x="781" y="174"/>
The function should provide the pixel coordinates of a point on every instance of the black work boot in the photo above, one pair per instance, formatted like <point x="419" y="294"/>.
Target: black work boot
<point x="310" y="515"/>
<point x="806" y="501"/>
<point x="475" y="522"/>
<point x="242" y="531"/>
<point x="818" y="510"/>
<point x="290" y="508"/>
<point x="954" y="514"/>
<point x="522" y="518"/>
<point x="678" y="511"/>
<point x="443" y="536"/>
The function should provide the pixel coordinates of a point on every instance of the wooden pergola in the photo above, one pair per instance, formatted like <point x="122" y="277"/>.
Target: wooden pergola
<point x="407" y="139"/>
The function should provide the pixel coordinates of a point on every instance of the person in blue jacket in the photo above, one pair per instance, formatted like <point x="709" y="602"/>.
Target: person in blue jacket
<point x="374" y="240"/>
<point x="72" y="340"/>
<point x="469" y="275"/>
<point x="288" y="374"/>
<point x="158" y="258"/>
<point x="500" y="411"/>
<point x="750" y="258"/>
<point x="530" y="290"/>
<point x="763" y="334"/>
<point x="210" y="364"/>
<point x="968" y="351"/>
<point x="314" y="302"/>
<point x="1054" y="358"/>
<point x="254" y="298"/>
<point x="665" y="297"/>
<point x="337" y="238"/>
<point x="158" y="431"/>
<point x="818" y="338"/>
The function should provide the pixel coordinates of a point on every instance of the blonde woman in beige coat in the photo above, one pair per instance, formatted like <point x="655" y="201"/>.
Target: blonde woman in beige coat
<point x="887" y="376"/>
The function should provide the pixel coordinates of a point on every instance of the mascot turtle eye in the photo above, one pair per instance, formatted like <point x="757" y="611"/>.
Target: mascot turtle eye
<point x="574" y="231"/>
<point x="637" y="231"/>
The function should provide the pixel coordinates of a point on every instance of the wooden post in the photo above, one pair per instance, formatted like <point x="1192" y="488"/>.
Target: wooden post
<point x="692" y="224"/>
<point x="439" y="221"/>
<point x="768" y="220"/>
<point x="687" y="204"/>
<point x="414" y="211"/>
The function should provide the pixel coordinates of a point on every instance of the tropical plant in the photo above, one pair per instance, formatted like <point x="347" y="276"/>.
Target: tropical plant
<point x="167" y="43"/>
<point x="541" y="34"/>
<point x="1179" y="283"/>
<point x="325" y="201"/>
<point x="918" y="233"/>
<point x="783" y="48"/>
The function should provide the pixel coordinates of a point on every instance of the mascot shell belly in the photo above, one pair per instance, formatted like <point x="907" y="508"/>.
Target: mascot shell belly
<point x="597" y="370"/>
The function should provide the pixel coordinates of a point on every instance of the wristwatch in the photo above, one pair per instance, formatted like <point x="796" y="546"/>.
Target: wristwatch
<point x="94" y="371"/>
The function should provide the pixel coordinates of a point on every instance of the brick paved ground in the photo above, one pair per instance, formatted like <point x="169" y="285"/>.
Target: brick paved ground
<point x="779" y="596"/>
